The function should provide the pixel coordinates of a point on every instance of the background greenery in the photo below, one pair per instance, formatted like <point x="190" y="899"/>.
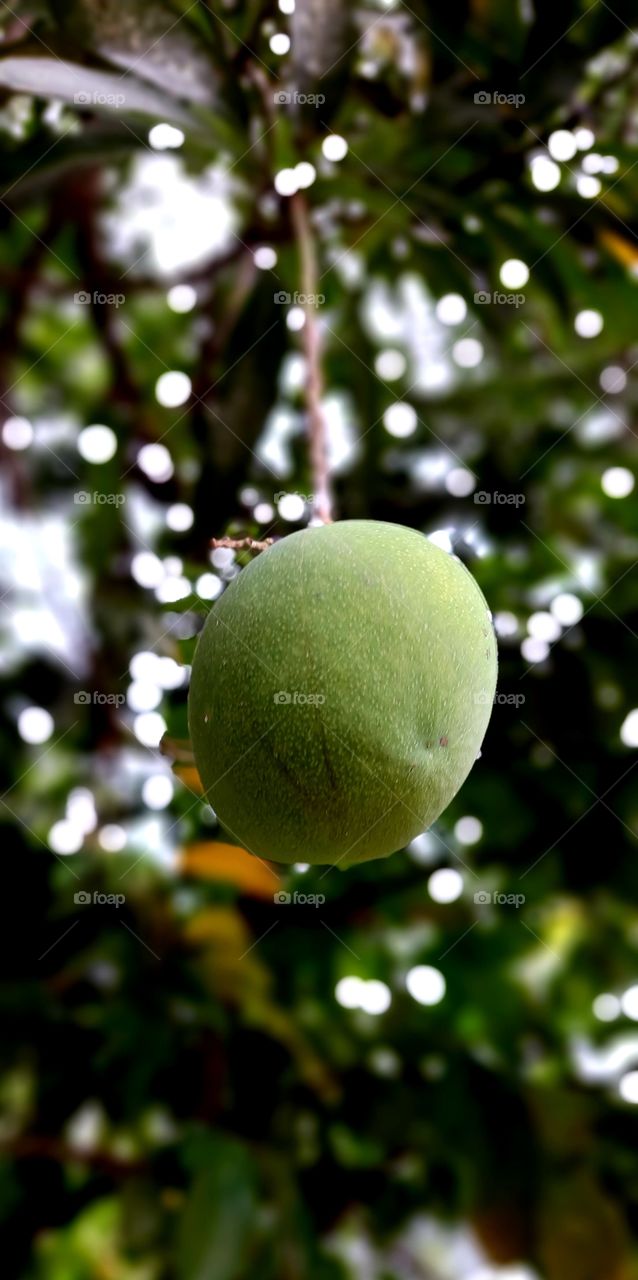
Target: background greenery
<point x="181" y="1092"/>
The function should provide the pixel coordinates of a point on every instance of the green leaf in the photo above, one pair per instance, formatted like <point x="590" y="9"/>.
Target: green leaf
<point x="218" y="1221"/>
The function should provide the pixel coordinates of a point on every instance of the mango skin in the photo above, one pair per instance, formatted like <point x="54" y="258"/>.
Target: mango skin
<point x="393" y="639"/>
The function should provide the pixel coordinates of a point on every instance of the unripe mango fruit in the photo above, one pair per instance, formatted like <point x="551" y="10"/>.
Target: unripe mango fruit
<point x="340" y="692"/>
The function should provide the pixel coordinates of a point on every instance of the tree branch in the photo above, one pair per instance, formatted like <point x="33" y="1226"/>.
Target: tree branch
<point x="317" y="434"/>
<point x="44" y="1147"/>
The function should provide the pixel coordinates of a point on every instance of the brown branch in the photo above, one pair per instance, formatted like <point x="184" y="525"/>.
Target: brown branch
<point x="242" y="544"/>
<point x="29" y="276"/>
<point x="317" y="434"/>
<point x="265" y="87"/>
<point x="243" y="284"/>
<point x="43" y="1147"/>
<point x="85" y="198"/>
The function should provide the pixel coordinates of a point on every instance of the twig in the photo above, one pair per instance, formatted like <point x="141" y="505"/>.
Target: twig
<point x="265" y="88"/>
<point x="317" y="434"/>
<point x="243" y="285"/>
<point x="242" y="544"/>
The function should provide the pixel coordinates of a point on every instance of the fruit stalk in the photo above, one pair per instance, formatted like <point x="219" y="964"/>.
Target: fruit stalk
<point x="242" y="544"/>
<point x="317" y="434"/>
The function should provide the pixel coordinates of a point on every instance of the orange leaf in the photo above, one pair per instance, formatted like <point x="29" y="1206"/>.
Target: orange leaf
<point x="190" y="777"/>
<point x="227" y="862"/>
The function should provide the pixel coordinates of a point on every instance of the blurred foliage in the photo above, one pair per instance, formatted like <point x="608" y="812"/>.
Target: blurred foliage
<point x="180" y="1093"/>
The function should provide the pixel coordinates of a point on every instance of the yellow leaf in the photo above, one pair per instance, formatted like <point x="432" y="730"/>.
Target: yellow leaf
<point x="218" y="927"/>
<point x="224" y="942"/>
<point x="229" y="863"/>
<point x="621" y="249"/>
<point x="232" y="968"/>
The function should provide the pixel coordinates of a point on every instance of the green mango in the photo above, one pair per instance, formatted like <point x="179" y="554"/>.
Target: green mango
<point x="340" y="692"/>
